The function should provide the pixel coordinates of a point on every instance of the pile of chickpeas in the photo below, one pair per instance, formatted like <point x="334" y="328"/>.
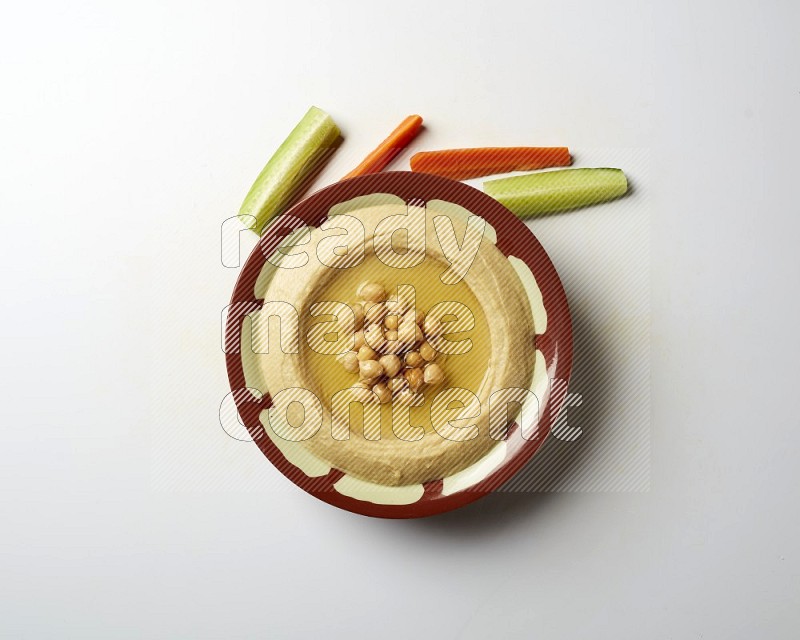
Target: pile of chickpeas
<point x="392" y="355"/>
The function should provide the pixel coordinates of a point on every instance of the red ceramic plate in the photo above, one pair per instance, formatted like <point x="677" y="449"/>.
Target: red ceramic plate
<point x="553" y="344"/>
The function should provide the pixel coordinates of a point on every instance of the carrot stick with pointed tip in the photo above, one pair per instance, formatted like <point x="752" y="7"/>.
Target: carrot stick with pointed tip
<point x="385" y="152"/>
<point x="463" y="164"/>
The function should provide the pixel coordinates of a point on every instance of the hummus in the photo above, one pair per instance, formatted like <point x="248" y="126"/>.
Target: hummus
<point x="326" y="264"/>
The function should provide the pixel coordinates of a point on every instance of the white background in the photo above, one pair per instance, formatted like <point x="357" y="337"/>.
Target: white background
<point x="128" y="133"/>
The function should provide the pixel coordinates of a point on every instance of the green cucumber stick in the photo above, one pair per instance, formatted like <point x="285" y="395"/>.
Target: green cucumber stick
<point x="552" y="191"/>
<point x="295" y="160"/>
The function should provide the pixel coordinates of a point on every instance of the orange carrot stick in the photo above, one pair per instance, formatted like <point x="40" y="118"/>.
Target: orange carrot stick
<point x="462" y="164"/>
<point x="389" y="148"/>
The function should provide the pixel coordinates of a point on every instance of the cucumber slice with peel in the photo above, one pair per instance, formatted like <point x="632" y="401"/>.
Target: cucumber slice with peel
<point x="306" y="147"/>
<point x="551" y="191"/>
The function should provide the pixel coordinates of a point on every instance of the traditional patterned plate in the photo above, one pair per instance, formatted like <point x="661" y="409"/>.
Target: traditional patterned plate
<point x="553" y="349"/>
